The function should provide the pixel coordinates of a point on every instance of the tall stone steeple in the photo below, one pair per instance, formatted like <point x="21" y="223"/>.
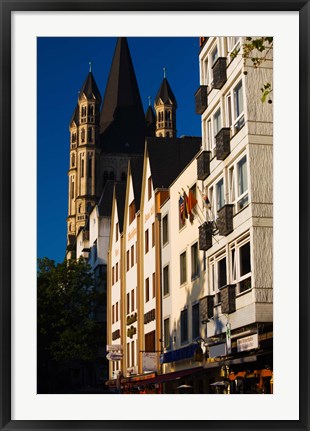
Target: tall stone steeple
<point x="122" y="122"/>
<point x="165" y="106"/>
<point x="84" y="129"/>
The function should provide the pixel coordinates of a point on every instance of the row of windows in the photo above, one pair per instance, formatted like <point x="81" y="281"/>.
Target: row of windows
<point x="148" y="289"/>
<point x="115" y="312"/>
<point x="90" y="135"/>
<point x="91" y="110"/>
<point x="230" y="47"/>
<point x="195" y="268"/>
<point x="231" y="266"/>
<point x="234" y="190"/>
<point x="130" y="301"/>
<point x="184" y="335"/>
<point x="229" y="113"/>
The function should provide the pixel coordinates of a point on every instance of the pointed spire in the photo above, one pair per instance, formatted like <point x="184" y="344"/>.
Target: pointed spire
<point x="89" y="88"/>
<point x="165" y="93"/>
<point x="122" y="92"/>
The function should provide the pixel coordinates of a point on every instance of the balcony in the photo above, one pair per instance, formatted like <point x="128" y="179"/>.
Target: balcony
<point x="205" y="236"/>
<point x="203" y="165"/>
<point x="222" y="142"/>
<point x="201" y="99"/>
<point x="228" y="298"/>
<point x="206" y="307"/>
<point x="219" y="73"/>
<point x="225" y="220"/>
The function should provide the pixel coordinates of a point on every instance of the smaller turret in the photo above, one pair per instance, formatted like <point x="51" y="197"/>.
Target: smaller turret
<point x="165" y="106"/>
<point x="150" y="120"/>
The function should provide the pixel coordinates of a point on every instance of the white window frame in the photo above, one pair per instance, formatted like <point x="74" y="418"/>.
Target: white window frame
<point x="234" y="121"/>
<point x="216" y="194"/>
<point x="214" y="275"/>
<point x="210" y="129"/>
<point x="235" y="264"/>
<point x="235" y="197"/>
<point x="233" y="44"/>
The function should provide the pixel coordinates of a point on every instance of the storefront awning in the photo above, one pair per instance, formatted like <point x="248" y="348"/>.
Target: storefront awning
<point x="162" y="378"/>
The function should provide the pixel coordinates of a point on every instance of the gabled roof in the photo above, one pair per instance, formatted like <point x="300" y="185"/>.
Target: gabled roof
<point x="136" y="168"/>
<point x="105" y="201"/>
<point x="75" y="116"/>
<point x="165" y="94"/>
<point x="89" y="88"/>
<point x="169" y="156"/>
<point x="120" y="194"/>
<point x="122" y="122"/>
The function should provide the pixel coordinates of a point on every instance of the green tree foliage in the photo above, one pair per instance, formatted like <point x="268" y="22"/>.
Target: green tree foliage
<point x="66" y="300"/>
<point x="256" y="49"/>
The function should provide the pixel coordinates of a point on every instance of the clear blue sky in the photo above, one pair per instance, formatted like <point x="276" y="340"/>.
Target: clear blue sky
<point x="62" y="66"/>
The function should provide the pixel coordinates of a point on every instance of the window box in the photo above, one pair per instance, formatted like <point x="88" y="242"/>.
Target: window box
<point x="201" y="99"/>
<point x="219" y="73"/>
<point x="222" y="142"/>
<point x="205" y="236"/>
<point x="206" y="307"/>
<point x="228" y="298"/>
<point x="225" y="220"/>
<point x="203" y="165"/>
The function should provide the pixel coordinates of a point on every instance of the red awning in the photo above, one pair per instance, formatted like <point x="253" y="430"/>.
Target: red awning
<point x="161" y="378"/>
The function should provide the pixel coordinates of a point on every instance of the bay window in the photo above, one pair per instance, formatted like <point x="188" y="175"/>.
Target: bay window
<point x="240" y="264"/>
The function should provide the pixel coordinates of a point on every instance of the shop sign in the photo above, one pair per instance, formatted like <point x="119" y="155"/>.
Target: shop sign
<point x="247" y="343"/>
<point x="114" y="347"/>
<point x="217" y="350"/>
<point x="149" y="361"/>
<point x="114" y="356"/>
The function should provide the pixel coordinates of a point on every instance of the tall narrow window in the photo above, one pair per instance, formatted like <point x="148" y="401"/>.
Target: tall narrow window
<point x="209" y="136"/>
<point x="132" y="300"/>
<point x="217" y="122"/>
<point x="183" y="277"/>
<point x="222" y="276"/>
<point x="228" y="116"/>
<point x="238" y="99"/>
<point x="195" y="321"/>
<point x="166" y="280"/>
<point x="89" y="167"/>
<point x="184" y="326"/>
<point x="112" y="275"/>
<point x="242" y="183"/>
<point x="220" y="194"/>
<point x="154" y="284"/>
<point x="113" y="313"/>
<point x="165" y="229"/>
<point x="132" y="256"/>
<point x="90" y="134"/>
<point x="83" y="135"/>
<point x="147" y="290"/>
<point x="127" y="260"/>
<point x="167" y="333"/>
<point x="146" y="240"/>
<point x="116" y="272"/>
<point x="82" y="168"/>
<point x="132" y="353"/>
<point x="153" y="234"/>
<point x="116" y="312"/>
<point x="132" y="212"/>
<point x="195" y="262"/>
<point x="128" y="303"/>
<point x="149" y="187"/>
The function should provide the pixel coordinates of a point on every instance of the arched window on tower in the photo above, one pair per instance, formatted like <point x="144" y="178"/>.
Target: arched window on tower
<point x="90" y="167"/>
<point x="80" y="208"/>
<point x="83" y="135"/>
<point x="90" y="134"/>
<point x="91" y="110"/>
<point x="73" y="138"/>
<point x="82" y="168"/>
<point x="73" y="160"/>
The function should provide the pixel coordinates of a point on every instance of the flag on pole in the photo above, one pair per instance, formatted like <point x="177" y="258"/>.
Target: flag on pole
<point x="206" y="200"/>
<point x="182" y="210"/>
<point x="186" y="212"/>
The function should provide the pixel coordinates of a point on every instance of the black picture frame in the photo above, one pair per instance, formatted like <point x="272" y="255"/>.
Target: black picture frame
<point x="6" y="8"/>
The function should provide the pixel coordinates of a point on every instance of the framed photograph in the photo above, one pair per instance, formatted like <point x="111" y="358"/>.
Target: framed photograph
<point x="45" y="45"/>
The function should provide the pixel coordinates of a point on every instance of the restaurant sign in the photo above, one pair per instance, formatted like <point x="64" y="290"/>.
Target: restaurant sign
<point x="247" y="343"/>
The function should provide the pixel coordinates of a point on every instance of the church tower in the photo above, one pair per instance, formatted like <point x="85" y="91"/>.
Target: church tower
<point x="165" y="107"/>
<point x="84" y="129"/>
<point x="103" y="140"/>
